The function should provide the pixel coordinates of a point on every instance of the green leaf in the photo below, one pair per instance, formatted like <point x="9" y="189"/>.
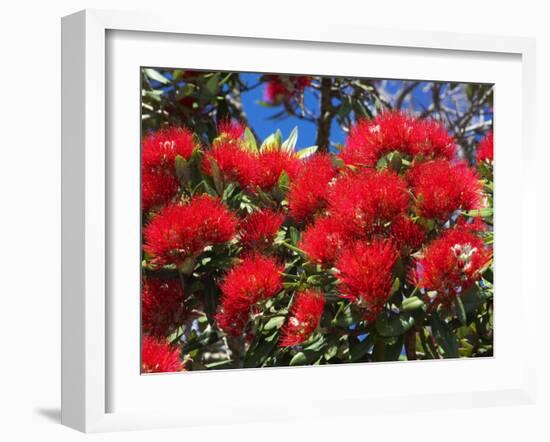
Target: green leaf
<point x="412" y="303"/>
<point x="394" y="326"/>
<point x="316" y="345"/>
<point x="347" y="317"/>
<point x="471" y="299"/>
<point x="305" y="357"/>
<point x="444" y="337"/>
<point x="299" y="358"/>
<point x="228" y="191"/>
<point x="357" y="351"/>
<point x="294" y="235"/>
<point x="306" y="152"/>
<point x="273" y="141"/>
<point x="153" y="74"/>
<point x="182" y="169"/>
<point x="290" y="142"/>
<point x="483" y="213"/>
<point x="212" y="84"/>
<point x="219" y="364"/>
<point x="395" y="286"/>
<point x="258" y="354"/>
<point x="216" y="176"/>
<point x="274" y="323"/>
<point x="460" y="311"/>
<point x="250" y="140"/>
<point x="284" y="181"/>
<point x="330" y="352"/>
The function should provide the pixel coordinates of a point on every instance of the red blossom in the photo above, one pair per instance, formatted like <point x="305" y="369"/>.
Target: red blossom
<point x="364" y="202"/>
<point x="235" y="163"/>
<point x="451" y="263"/>
<point x="255" y="279"/>
<point x="305" y="317"/>
<point x="157" y="356"/>
<point x="323" y="240"/>
<point x="162" y="307"/>
<point x="271" y="163"/>
<point x="485" y="149"/>
<point x="160" y="148"/>
<point x="366" y="274"/>
<point x="369" y="140"/>
<point x="441" y="188"/>
<point x="182" y="231"/>
<point x="407" y="235"/>
<point x="280" y="88"/>
<point x="231" y="129"/>
<point x="157" y="188"/>
<point x="258" y="229"/>
<point x="309" y="191"/>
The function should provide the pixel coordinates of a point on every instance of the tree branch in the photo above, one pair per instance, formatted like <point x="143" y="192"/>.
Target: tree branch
<point x="325" y="115"/>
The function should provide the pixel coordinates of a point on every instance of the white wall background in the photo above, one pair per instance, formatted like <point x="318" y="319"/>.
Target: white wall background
<point x="30" y="215"/>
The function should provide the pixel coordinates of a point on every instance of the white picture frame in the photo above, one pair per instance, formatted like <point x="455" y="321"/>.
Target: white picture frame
<point x="86" y="356"/>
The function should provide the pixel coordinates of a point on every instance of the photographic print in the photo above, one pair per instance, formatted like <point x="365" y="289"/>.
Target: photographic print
<point x="292" y="220"/>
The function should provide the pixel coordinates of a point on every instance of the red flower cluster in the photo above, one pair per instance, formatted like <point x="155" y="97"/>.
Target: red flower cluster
<point x="162" y="307"/>
<point x="451" y="263"/>
<point x="255" y="279"/>
<point x="231" y="129"/>
<point x="364" y="202"/>
<point x="159" y="149"/>
<point x="159" y="183"/>
<point x="234" y="162"/>
<point x="369" y="140"/>
<point x="309" y="191"/>
<point x="407" y="235"/>
<point x="441" y="188"/>
<point x="280" y="88"/>
<point x="157" y="356"/>
<point x="323" y="240"/>
<point x="271" y="163"/>
<point x="258" y="229"/>
<point x="180" y="232"/>
<point x="485" y="149"/>
<point x="157" y="188"/>
<point x="366" y="274"/>
<point x="305" y="316"/>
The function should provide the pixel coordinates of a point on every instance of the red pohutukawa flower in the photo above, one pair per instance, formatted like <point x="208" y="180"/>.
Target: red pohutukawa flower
<point x="258" y="230"/>
<point x="309" y="191"/>
<point x="271" y="163"/>
<point x="231" y="129"/>
<point x="157" y="188"/>
<point x="159" y="149"/>
<point x="364" y="202"/>
<point x="407" y="235"/>
<point x="305" y="316"/>
<point x="451" y="263"/>
<point x="442" y="188"/>
<point x="323" y="240"/>
<point x="162" y="306"/>
<point x="366" y="275"/>
<point x="182" y="231"/>
<point x="255" y="279"/>
<point x="485" y="149"/>
<point x="234" y="162"/>
<point x="369" y="140"/>
<point x="280" y="88"/>
<point x="157" y="356"/>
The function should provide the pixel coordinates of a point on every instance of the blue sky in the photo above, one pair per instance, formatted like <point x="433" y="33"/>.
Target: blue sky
<point x="258" y="116"/>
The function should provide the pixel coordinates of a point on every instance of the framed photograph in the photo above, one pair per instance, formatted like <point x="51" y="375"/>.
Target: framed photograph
<point x="249" y="214"/>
